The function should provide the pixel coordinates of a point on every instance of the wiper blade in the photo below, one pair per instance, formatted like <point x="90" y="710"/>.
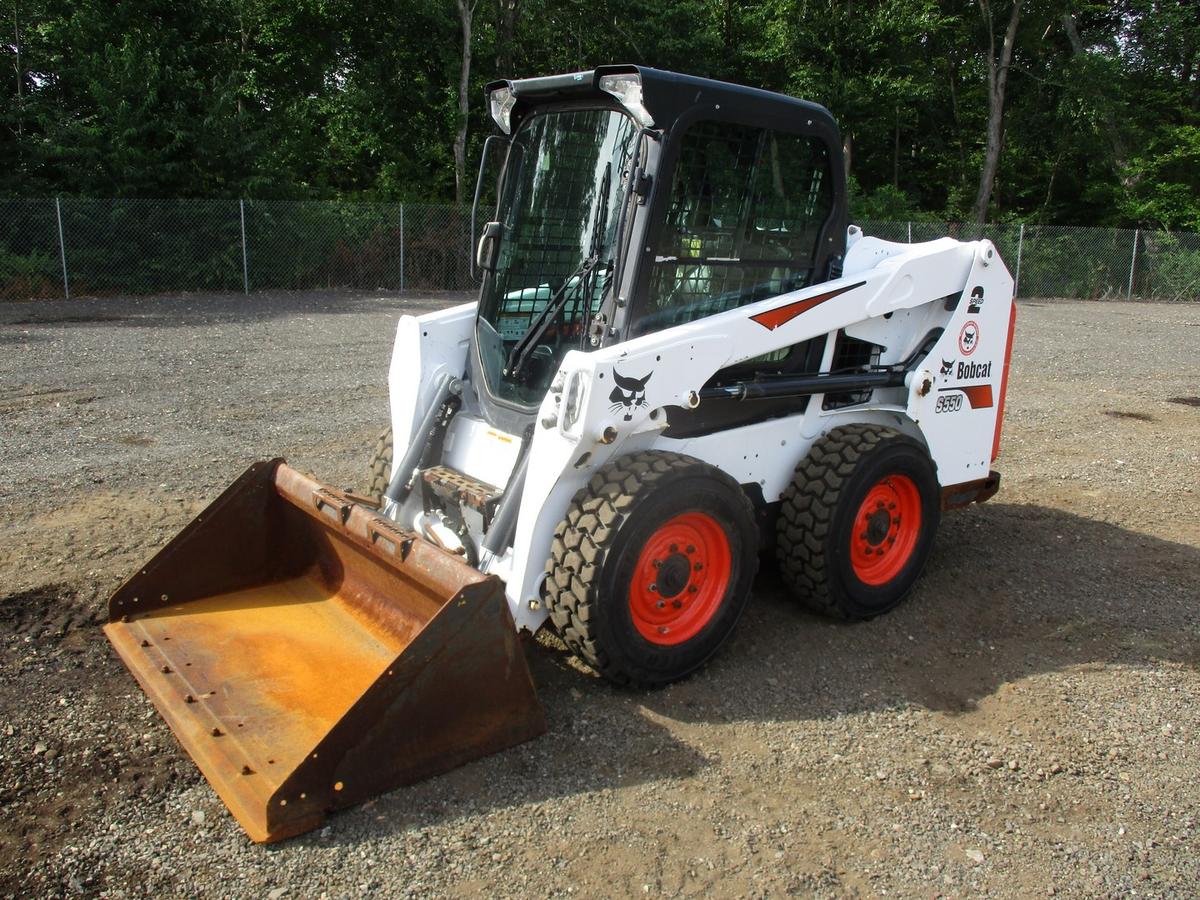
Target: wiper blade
<point x="581" y="277"/>
<point x="521" y="349"/>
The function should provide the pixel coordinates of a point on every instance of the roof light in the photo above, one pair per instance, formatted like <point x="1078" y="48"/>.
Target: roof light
<point x="628" y="90"/>
<point x="502" y="100"/>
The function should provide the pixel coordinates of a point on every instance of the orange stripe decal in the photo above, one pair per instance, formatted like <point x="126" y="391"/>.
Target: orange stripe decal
<point x="781" y="315"/>
<point x="978" y="395"/>
<point x="1012" y="326"/>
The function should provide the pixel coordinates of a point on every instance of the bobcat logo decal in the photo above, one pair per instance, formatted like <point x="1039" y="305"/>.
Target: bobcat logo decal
<point x="968" y="338"/>
<point x="629" y="394"/>
<point x="947" y="365"/>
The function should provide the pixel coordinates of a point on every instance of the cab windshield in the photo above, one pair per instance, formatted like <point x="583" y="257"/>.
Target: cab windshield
<point x="564" y="185"/>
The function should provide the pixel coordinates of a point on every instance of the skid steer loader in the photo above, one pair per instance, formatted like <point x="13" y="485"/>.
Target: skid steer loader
<point x="682" y="355"/>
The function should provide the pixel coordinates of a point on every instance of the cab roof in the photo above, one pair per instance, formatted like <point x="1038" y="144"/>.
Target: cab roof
<point x="671" y="96"/>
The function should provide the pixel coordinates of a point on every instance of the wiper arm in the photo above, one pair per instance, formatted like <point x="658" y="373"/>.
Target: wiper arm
<point x="522" y="348"/>
<point x="581" y="277"/>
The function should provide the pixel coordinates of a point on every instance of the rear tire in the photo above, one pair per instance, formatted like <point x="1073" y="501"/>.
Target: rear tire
<point x="381" y="466"/>
<point x="858" y="521"/>
<point x="651" y="568"/>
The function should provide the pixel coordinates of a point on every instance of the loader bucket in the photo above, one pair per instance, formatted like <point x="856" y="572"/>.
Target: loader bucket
<point x="309" y="653"/>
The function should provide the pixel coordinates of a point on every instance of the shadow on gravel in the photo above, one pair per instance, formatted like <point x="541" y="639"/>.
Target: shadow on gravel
<point x="1012" y="591"/>
<point x="176" y="310"/>
<point x="599" y="738"/>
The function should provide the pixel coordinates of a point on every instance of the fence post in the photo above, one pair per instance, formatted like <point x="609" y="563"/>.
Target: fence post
<point x="1132" y="262"/>
<point x="402" y="248"/>
<point x="245" y="265"/>
<point x="62" y="247"/>
<point x="1020" y="247"/>
<point x="910" y="231"/>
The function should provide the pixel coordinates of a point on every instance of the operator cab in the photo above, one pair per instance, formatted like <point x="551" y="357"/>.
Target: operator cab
<point x="632" y="200"/>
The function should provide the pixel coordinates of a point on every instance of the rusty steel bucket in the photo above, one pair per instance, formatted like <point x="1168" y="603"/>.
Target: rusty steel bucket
<point x="309" y="653"/>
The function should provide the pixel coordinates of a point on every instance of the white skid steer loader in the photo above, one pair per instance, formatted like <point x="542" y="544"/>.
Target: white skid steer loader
<point x="681" y="355"/>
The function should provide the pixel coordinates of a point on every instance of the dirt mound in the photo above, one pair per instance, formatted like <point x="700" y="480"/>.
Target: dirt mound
<point x="50" y="613"/>
<point x="58" y="773"/>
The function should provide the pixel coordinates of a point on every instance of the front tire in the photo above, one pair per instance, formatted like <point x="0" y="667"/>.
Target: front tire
<point x="651" y="568"/>
<point x="858" y="521"/>
<point x="381" y="466"/>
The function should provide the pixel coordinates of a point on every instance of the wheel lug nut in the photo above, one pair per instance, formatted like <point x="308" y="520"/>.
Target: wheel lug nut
<point x="691" y="548"/>
<point x="674" y="548"/>
<point x="692" y="589"/>
<point x="661" y="603"/>
<point x="658" y="564"/>
<point x="654" y="588"/>
<point x="663" y="629"/>
<point x="891" y="506"/>
<point x="678" y="604"/>
<point x="698" y="566"/>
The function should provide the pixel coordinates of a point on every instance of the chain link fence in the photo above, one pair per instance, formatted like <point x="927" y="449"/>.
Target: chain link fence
<point x="71" y="248"/>
<point x="1075" y="262"/>
<point x="75" y="248"/>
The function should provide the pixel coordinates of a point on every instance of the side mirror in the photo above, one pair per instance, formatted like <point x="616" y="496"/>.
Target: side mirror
<point x="493" y="141"/>
<point x="489" y="245"/>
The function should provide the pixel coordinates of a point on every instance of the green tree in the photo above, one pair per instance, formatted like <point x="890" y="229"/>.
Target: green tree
<point x="1096" y="120"/>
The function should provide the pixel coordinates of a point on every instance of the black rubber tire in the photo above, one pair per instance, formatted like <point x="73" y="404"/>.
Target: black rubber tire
<point x="595" y="551"/>
<point x="381" y="466"/>
<point x="816" y="518"/>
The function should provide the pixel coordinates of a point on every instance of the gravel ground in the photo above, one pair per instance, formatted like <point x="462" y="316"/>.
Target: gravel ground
<point x="1025" y="724"/>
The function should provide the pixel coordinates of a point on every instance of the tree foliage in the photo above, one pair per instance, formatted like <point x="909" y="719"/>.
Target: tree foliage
<point x="1100" y="117"/>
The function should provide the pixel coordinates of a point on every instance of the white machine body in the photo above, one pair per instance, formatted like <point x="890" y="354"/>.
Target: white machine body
<point x="893" y="295"/>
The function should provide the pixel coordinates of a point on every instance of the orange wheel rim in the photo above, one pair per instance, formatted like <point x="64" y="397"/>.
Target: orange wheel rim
<point x="680" y="579"/>
<point x="885" y="529"/>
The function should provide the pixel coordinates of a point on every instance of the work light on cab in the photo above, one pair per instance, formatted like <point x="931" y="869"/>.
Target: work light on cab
<point x="502" y="100"/>
<point x="628" y="90"/>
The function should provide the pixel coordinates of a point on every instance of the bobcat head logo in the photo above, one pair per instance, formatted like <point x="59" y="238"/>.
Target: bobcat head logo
<point x="629" y="394"/>
<point x="947" y="365"/>
<point x="968" y="338"/>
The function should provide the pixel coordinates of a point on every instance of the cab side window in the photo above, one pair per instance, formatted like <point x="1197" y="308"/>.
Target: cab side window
<point x="746" y="212"/>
